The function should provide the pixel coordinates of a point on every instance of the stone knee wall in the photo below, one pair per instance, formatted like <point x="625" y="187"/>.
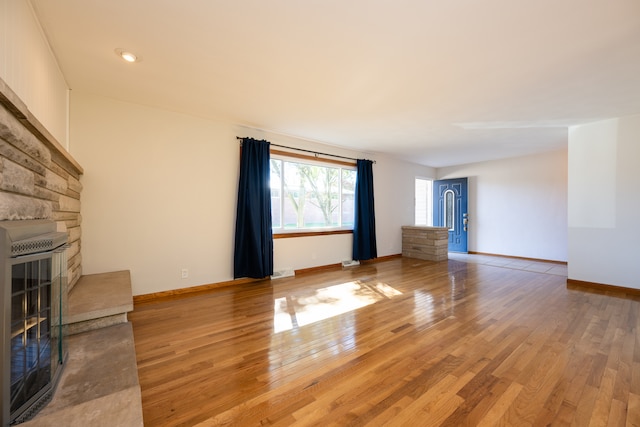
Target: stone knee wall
<point x="429" y="243"/>
<point x="38" y="179"/>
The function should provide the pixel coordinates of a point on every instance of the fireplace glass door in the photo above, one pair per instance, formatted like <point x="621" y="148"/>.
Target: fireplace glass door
<point x="36" y="347"/>
<point x="30" y="332"/>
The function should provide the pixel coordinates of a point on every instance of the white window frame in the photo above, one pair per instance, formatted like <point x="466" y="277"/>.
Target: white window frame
<point x="428" y="202"/>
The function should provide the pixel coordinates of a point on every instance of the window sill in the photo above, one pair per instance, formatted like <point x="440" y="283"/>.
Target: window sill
<point x="310" y="233"/>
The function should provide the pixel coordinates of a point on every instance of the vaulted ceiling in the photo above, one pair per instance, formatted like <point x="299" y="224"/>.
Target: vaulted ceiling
<point x="436" y="82"/>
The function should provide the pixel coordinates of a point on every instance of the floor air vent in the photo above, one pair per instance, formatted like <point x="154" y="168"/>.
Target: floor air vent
<point x="287" y="272"/>
<point x="350" y="263"/>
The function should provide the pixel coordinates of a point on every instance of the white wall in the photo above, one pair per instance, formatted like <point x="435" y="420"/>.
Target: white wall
<point x="30" y="69"/>
<point x="517" y="206"/>
<point x="157" y="193"/>
<point x="394" y="183"/>
<point x="160" y="195"/>
<point x="604" y="201"/>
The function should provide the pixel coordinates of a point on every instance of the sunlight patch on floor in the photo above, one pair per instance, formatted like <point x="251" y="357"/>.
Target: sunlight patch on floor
<point x="298" y="310"/>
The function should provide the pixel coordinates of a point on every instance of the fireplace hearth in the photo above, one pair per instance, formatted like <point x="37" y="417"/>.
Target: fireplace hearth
<point x="34" y="270"/>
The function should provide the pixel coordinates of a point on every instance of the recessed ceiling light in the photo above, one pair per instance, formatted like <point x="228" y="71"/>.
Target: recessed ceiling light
<point x="127" y="56"/>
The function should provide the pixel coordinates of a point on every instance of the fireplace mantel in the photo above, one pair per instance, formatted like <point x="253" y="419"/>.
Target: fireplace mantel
<point x="20" y="111"/>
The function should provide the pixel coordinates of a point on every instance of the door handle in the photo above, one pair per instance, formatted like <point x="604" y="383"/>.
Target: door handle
<point x="465" y="220"/>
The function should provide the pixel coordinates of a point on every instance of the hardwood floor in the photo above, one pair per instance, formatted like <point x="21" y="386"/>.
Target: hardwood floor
<point x="450" y="343"/>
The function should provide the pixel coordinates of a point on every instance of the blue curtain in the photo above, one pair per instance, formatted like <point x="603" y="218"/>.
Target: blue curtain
<point x="364" y="226"/>
<point x="253" y="253"/>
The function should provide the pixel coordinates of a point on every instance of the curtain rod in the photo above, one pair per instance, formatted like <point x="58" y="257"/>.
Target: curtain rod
<point x="309" y="151"/>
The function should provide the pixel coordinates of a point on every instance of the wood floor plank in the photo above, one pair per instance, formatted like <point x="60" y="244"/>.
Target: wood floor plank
<point x="618" y="414"/>
<point x="496" y="414"/>
<point x="455" y="343"/>
<point x="602" y="407"/>
<point x="633" y="411"/>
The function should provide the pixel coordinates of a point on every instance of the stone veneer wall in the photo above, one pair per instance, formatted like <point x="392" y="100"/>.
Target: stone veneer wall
<point x="38" y="178"/>
<point x="429" y="243"/>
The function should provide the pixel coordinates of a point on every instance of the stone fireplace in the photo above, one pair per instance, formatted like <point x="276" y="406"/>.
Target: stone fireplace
<point x="38" y="178"/>
<point x="39" y="183"/>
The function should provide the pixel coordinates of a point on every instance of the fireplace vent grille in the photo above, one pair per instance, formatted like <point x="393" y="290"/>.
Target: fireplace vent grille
<point x="37" y="244"/>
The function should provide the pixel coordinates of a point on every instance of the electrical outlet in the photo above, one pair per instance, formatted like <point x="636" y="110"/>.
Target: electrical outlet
<point x="185" y="273"/>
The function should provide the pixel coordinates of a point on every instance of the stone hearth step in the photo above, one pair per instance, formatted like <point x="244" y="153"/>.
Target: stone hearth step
<point x="98" y="301"/>
<point x="99" y="383"/>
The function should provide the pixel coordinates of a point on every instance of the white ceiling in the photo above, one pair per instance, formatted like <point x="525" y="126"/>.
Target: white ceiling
<point x="437" y="82"/>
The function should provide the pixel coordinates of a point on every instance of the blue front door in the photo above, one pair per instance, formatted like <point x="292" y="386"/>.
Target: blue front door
<point x="450" y="210"/>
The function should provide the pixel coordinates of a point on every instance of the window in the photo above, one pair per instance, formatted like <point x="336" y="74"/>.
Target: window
<point x="423" y="200"/>
<point x="309" y="195"/>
